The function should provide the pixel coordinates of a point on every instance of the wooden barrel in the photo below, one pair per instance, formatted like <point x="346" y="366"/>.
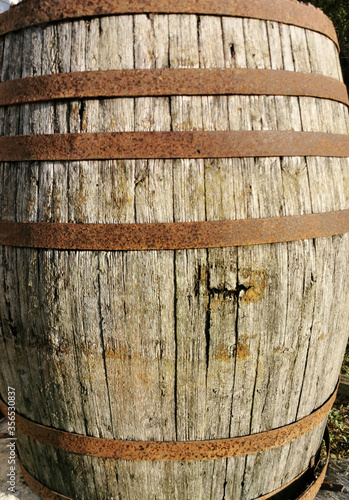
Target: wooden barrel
<point x="174" y="229"/>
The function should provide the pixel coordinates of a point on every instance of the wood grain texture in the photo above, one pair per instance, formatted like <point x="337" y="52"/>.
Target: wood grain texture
<point x="192" y="344"/>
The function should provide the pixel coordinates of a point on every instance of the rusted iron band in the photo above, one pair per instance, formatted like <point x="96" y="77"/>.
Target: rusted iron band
<point x="41" y="490"/>
<point x="313" y="489"/>
<point x="300" y="478"/>
<point x="32" y="13"/>
<point x="172" y="145"/>
<point x="173" y="235"/>
<point x="48" y="494"/>
<point x="172" y="450"/>
<point x="169" y="82"/>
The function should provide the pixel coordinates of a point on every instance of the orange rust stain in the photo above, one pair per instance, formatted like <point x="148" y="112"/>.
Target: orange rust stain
<point x="119" y="353"/>
<point x="242" y="351"/>
<point x="144" y="377"/>
<point x="242" y="348"/>
<point x="222" y="353"/>
<point x="186" y="125"/>
<point x="256" y="282"/>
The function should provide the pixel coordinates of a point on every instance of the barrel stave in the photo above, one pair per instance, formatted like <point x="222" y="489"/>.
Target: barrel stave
<point x="149" y="345"/>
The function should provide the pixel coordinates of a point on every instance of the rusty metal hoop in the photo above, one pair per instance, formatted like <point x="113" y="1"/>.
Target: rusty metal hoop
<point x="173" y="235"/>
<point x="170" y="82"/>
<point x="172" y="450"/>
<point x="309" y="494"/>
<point x="172" y="145"/>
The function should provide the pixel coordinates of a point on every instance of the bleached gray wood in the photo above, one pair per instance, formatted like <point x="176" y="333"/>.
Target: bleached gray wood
<point x="179" y="345"/>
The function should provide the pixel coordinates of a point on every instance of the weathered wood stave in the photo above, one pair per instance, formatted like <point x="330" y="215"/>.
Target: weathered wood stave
<point x="86" y="296"/>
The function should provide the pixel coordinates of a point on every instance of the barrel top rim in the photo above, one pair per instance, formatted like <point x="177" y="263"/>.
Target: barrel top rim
<point x="27" y="14"/>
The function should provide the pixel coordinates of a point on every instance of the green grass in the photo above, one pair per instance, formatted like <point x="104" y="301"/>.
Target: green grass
<point x="345" y="366"/>
<point x="338" y="420"/>
<point x="338" y="423"/>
